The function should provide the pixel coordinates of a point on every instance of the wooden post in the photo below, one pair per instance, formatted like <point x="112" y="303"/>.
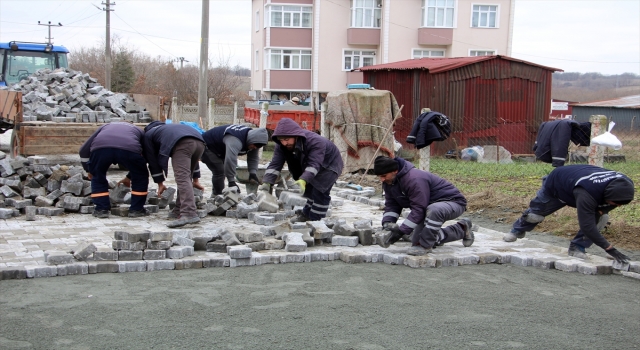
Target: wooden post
<point x="425" y="153"/>
<point x="264" y="114"/>
<point x="598" y="127"/>
<point x="211" y="114"/>
<point x="323" y="127"/>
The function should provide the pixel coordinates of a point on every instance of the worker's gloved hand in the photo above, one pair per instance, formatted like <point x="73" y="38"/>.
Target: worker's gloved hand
<point x="265" y="187"/>
<point x="126" y="181"/>
<point x="621" y="258"/>
<point x="396" y="234"/>
<point x="302" y="184"/>
<point x="233" y="187"/>
<point x="254" y="177"/>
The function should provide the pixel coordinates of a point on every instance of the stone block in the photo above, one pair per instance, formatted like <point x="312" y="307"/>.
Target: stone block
<point x="349" y="241"/>
<point x="344" y="229"/>
<point x="421" y="261"/>
<point x="6" y="213"/>
<point x="183" y="241"/>
<point x="217" y="247"/>
<point x="178" y="252"/>
<point x="595" y="269"/>
<point x="30" y="212"/>
<point x="105" y="255"/>
<point x="138" y="236"/>
<point x="71" y="187"/>
<point x="365" y="236"/>
<point x="248" y="237"/>
<point x="447" y="260"/>
<point x="393" y="259"/>
<point x="159" y="245"/>
<point x="120" y="245"/>
<point x="87" y="209"/>
<point x="290" y="199"/>
<point x="242" y="262"/>
<point x="256" y="246"/>
<point x="50" y="211"/>
<point x="58" y="258"/>
<point x="13" y="273"/>
<point x="267" y="202"/>
<point x="138" y="245"/>
<point x="567" y="265"/>
<point x="273" y="244"/>
<point x="121" y="236"/>
<point x="151" y="254"/>
<point x="543" y="263"/>
<point x="160" y="236"/>
<point x="487" y="258"/>
<point x="244" y="209"/>
<point x="42" y="271"/>
<point x="294" y="242"/>
<point x="229" y="238"/>
<point x="78" y="268"/>
<point x="130" y="255"/>
<point x="132" y="266"/>
<point x="189" y="263"/>
<point x="156" y="265"/>
<point x="319" y="230"/>
<point x="469" y="259"/>
<point x="620" y="266"/>
<point x="355" y="257"/>
<point x="521" y="260"/>
<point x="239" y="252"/>
<point x="83" y="251"/>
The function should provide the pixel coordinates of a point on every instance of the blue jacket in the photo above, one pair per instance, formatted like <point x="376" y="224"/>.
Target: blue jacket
<point x="159" y="140"/>
<point x="552" y="141"/>
<point x="125" y="136"/>
<point x="416" y="189"/>
<point x="425" y="130"/>
<point x="315" y="159"/>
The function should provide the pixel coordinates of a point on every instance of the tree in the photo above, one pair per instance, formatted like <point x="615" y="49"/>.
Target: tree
<point x="123" y="76"/>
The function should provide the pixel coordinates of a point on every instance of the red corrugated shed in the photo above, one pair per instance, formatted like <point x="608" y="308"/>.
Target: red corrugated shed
<point x="491" y="100"/>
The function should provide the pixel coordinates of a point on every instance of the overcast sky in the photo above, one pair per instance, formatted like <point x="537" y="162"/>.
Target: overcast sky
<point x="573" y="35"/>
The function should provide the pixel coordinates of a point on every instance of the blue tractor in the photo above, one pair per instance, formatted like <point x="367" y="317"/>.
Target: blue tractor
<point x="18" y="60"/>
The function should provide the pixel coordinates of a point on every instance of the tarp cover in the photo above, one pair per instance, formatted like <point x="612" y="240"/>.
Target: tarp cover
<point x="358" y="121"/>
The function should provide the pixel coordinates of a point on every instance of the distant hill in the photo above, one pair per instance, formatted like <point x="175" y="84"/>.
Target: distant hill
<point x="589" y="87"/>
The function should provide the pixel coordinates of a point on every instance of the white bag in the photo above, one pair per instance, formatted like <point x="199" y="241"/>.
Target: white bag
<point x="607" y="139"/>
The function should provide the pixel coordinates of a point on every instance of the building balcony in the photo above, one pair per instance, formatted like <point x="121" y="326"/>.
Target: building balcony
<point x="289" y="79"/>
<point x="435" y="36"/>
<point x="363" y="36"/>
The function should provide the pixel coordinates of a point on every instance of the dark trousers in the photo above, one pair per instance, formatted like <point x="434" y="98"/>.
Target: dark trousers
<point x="216" y="165"/>
<point x="430" y="232"/>
<point x="317" y="203"/>
<point x="99" y="162"/>
<point x="544" y="205"/>
<point x="184" y="160"/>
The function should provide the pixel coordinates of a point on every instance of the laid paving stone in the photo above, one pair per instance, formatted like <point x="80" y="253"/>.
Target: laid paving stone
<point x="239" y="252"/>
<point x="344" y="241"/>
<point x="132" y="266"/>
<point x="103" y="267"/>
<point x="127" y="255"/>
<point x="105" y="255"/>
<point x="150" y="254"/>
<point x="78" y="268"/>
<point x="294" y="242"/>
<point x="41" y="271"/>
<point x="59" y="258"/>
<point x="189" y="263"/>
<point x="157" y="265"/>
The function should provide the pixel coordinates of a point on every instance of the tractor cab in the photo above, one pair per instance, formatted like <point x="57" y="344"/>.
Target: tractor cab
<point x="18" y="60"/>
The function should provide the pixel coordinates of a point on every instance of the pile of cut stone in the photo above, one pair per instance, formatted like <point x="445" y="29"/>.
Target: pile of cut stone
<point x="68" y="96"/>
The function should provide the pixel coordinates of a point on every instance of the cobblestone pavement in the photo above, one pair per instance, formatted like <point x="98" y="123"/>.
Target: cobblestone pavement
<point x="23" y="244"/>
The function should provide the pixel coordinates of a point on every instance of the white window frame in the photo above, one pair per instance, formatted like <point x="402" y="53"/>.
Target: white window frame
<point x="288" y="14"/>
<point x="356" y="58"/>
<point x="366" y="13"/>
<point x="478" y="10"/>
<point x="474" y="52"/>
<point x="429" y="53"/>
<point x="296" y="59"/>
<point x="440" y="9"/>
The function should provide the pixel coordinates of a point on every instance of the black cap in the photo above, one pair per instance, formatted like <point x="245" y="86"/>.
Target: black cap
<point x="384" y="165"/>
<point x="619" y="191"/>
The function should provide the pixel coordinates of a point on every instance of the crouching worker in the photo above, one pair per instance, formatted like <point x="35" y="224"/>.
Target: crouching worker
<point x="593" y="191"/>
<point x="116" y="143"/>
<point x="432" y="200"/>
<point x="313" y="161"/>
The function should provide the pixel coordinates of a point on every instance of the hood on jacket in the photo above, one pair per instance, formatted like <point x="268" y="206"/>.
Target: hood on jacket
<point x="152" y="125"/>
<point x="581" y="133"/>
<point x="258" y="137"/>
<point x="403" y="167"/>
<point x="619" y="191"/>
<point x="287" y="127"/>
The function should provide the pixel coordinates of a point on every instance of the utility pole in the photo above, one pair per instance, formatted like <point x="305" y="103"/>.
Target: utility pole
<point x="181" y="60"/>
<point x="107" y="45"/>
<point x="50" y="25"/>
<point x="204" y="63"/>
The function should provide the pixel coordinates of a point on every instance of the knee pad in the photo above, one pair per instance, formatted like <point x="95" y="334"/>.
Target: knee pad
<point x="533" y="218"/>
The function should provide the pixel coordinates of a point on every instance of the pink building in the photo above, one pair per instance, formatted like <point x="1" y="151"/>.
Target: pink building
<point x="305" y="47"/>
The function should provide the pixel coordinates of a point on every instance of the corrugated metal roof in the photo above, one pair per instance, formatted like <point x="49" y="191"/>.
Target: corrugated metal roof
<point x="622" y="102"/>
<point x="437" y="65"/>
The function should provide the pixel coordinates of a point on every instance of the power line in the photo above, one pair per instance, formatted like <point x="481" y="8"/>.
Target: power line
<point x="142" y="35"/>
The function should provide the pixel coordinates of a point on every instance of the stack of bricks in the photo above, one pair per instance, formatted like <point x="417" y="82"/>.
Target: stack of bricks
<point x="31" y="186"/>
<point x="68" y="96"/>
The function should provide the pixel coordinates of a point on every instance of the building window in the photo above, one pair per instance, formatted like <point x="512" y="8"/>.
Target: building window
<point x="481" y="52"/>
<point x="438" y="13"/>
<point x="366" y="13"/>
<point x="356" y="59"/>
<point x="289" y="59"/>
<point x="289" y="16"/>
<point x="419" y="53"/>
<point x="485" y="16"/>
<point x="256" y="60"/>
<point x="257" y="20"/>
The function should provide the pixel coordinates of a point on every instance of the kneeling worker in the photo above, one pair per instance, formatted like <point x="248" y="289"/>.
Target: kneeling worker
<point x="432" y="200"/>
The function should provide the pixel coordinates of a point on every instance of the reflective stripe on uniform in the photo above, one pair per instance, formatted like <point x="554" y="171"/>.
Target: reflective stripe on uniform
<point x="272" y="171"/>
<point x="409" y="224"/>
<point x="391" y="214"/>
<point x="84" y="160"/>
<point x="101" y="194"/>
<point x="137" y="193"/>
<point x="158" y="174"/>
<point x="314" y="171"/>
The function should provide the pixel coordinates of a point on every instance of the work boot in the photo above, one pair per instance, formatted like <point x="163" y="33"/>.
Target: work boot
<point x="469" y="237"/>
<point x="418" y="250"/>
<point x="102" y="214"/>
<point x="173" y="215"/>
<point x="299" y="218"/>
<point x="183" y="220"/>
<point x="513" y="236"/>
<point x="577" y="251"/>
<point x="138" y="213"/>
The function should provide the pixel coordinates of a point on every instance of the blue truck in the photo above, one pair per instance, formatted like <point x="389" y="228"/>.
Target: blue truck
<point x="18" y="60"/>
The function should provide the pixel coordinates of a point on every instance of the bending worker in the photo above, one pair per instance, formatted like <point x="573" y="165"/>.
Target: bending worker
<point x="116" y="143"/>
<point x="313" y="161"/>
<point x="224" y="144"/>
<point x="593" y="191"/>
<point x="432" y="200"/>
